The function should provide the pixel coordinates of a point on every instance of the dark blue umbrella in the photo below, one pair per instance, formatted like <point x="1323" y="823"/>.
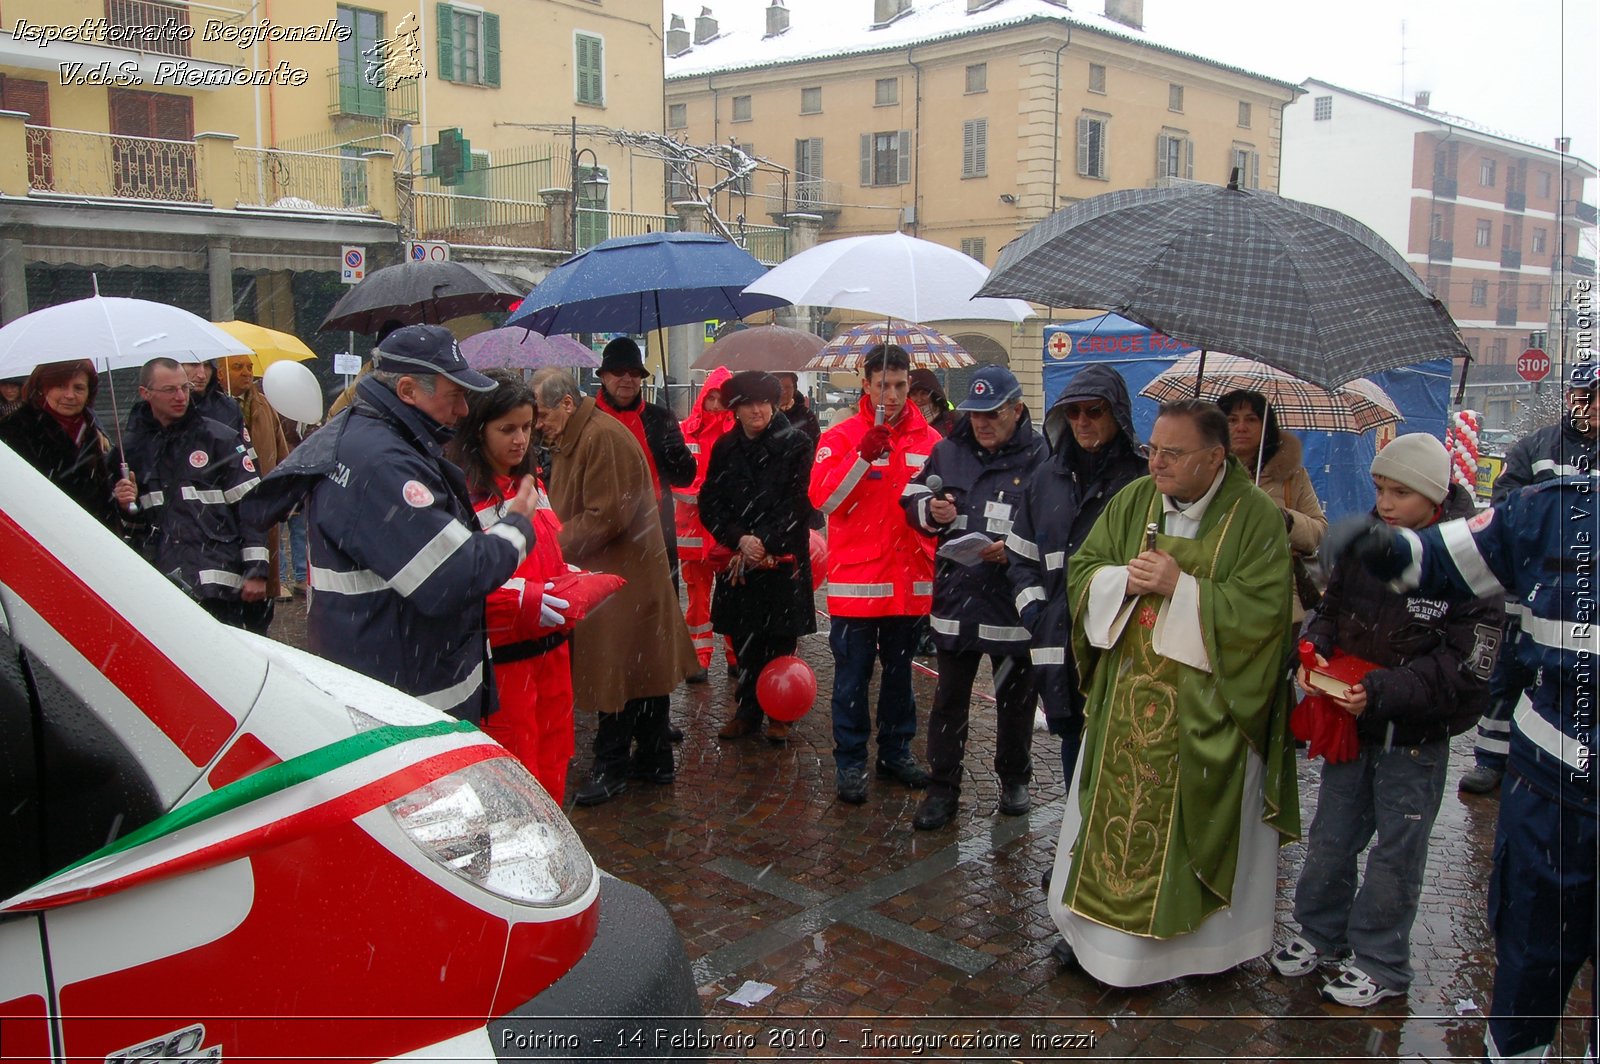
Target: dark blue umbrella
<point x="634" y="284"/>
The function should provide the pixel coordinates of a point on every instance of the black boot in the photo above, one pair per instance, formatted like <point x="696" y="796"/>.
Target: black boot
<point x="611" y="741"/>
<point x="652" y="756"/>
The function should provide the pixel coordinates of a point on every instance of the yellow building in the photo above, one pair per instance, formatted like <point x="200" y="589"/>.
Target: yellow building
<point x="219" y="155"/>
<point x="962" y="121"/>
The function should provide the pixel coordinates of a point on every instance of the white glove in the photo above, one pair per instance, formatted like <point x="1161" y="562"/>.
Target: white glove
<point x="548" y="605"/>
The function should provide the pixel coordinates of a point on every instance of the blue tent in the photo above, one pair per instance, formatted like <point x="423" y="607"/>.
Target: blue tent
<point x="1422" y="393"/>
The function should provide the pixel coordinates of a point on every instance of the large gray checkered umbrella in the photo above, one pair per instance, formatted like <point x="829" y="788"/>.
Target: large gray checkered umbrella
<point x="1300" y="287"/>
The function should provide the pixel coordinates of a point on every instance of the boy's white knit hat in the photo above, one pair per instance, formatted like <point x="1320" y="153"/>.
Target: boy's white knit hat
<point x="1418" y="461"/>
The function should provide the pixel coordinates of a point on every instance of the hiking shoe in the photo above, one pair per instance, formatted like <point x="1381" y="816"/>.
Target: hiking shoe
<point x="852" y="785"/>
<point x="905" y="769"/>
<point x="1355" y="988"/>
<point x="1481" y="779"/>
<point x="1297" y="957"/>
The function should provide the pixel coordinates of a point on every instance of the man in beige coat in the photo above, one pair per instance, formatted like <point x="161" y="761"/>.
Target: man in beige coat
<point x="238" y="378"/>
<point x="630" y="654"/>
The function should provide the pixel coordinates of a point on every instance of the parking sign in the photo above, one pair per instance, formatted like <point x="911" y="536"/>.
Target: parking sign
<point x="352" y="264"/>
<point x="430" y="251"/>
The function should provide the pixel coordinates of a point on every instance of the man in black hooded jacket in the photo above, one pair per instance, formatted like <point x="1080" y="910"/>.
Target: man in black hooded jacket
<point x="1095" y="454"/>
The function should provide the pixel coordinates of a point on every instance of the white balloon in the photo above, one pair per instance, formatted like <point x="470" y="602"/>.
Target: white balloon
<point x="293" y="391"/>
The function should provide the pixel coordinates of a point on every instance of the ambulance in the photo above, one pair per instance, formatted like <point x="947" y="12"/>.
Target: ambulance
<point x="214" y="846"/>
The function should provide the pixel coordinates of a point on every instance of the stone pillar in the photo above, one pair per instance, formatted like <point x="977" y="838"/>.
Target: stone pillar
<point x="13" y="153"/>
<point x="13" y="277"/>
<point x="380" y="184"/>
<point x="219" y="169"/>
<point x="805" y="231"/>
<point x="219" y="267"/>
<point x="557" y="216"/>
<point x="691" y="216"/>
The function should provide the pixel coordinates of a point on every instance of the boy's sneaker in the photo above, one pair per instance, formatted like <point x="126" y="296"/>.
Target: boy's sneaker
<point x="1297" y="957"/>
<point x="1355" y="988"/>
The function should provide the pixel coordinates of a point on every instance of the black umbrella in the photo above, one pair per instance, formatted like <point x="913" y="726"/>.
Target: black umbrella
<point x="419" y="293"/>
<point x="1303" y="288"/>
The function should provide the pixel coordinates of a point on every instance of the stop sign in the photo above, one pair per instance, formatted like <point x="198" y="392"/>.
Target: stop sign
<point x="1533" y="365"/>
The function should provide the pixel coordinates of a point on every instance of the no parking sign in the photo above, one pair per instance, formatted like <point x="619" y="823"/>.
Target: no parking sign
<point x="430" y="251"/>
<point x="352" y="264"/>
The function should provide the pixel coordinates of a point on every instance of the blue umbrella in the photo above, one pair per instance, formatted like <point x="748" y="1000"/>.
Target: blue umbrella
<point x="634" y="284"/>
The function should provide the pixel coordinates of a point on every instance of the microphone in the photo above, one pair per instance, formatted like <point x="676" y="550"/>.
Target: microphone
<point x="935" y="484"/>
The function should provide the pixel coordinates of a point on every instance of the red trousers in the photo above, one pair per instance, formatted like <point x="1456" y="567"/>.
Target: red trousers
<point x="534" y="720"/>
<point x="698" y="578"/>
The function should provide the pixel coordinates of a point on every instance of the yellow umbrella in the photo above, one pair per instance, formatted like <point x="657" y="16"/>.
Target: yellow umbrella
<point x="268" y="345"/>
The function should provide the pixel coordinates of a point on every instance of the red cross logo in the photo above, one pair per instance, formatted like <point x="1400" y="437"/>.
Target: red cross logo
<point x="1059" y="345"/>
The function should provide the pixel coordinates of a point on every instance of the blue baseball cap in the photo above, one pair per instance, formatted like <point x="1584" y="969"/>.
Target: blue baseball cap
<point x="991" y="388"/>
<point x="419" y="349"/>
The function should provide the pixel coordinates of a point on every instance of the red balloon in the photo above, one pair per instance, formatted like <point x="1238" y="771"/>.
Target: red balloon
<point x="786" y="688"/>
<point x="819" y="559"/>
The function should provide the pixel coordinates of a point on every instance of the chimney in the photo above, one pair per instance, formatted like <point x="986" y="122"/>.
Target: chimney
<point x="677" y="37"/>
<point x="1128" y="12"/>
<point x="886" y="11"/>
<point x="777" y="19"/>
<point x="705" y="27"/>
<point x="1563" y="144"/>
<point x="1424" y="97"/>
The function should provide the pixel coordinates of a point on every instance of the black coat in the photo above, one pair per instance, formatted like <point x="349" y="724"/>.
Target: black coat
<point x="760" y="488"/>
<point x="801" y="416"/>
<point x="80" y="469"/>
<point x="973" y="605"/>
<point x="1061" y="505"/>
<point x="1434" y="680"/>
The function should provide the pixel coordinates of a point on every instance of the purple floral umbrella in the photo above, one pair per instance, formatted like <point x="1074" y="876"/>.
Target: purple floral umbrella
<point x="514" y="347"/>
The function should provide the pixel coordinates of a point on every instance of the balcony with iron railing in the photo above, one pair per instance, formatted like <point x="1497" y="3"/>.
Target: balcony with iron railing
<point x="302" y="181"/>
<point x="1510" y="259"/>
<point x="1583" y="212"/>
<point x="1580" y="266"/>
<point x="1441" y="250"/>
<point x="350" y="95"/>
<point x="1444" y="187"/>
<point x="113" y="166"/>
<point x="1505" y="315"/>
<point x="211" y="32"/>
<point x="1516" y="201"/>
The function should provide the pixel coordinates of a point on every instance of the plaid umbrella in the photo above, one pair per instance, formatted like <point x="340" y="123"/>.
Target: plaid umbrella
<point x="1355" y="406"/>
<point x="517" y="348"/>
<point x="927" y="347"/>
<point x="1300" y="287"/>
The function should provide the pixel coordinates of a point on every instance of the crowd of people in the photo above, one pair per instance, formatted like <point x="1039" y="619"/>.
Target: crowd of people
<point x="1160" y="599"/>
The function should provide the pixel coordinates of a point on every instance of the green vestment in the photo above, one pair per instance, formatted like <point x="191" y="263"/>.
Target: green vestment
<point x="1164" y="744"/>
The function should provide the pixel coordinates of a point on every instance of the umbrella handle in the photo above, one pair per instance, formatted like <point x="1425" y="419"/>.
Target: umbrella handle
<point x="132" y="507"/>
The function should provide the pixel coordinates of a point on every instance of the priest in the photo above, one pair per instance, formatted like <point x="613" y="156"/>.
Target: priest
<point x="1185" y="785"/>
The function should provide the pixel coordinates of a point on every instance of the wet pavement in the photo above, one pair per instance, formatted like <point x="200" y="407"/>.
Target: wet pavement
<point x="886" y="943"/>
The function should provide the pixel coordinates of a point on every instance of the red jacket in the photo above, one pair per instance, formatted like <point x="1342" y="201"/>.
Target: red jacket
<point x="513" y="607"/>
<point x="878" y="565"/>
<point x="700" y="431"/>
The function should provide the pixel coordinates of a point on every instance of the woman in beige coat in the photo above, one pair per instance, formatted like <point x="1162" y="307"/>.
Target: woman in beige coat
<point x="1254" y="437"/>
<point x="629" y="655"/>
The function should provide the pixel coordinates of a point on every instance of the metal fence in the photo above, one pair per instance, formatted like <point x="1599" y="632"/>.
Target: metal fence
<point x="112" y="165"/>
<point x="480" y="220"/>
<point x="296" y="180"/>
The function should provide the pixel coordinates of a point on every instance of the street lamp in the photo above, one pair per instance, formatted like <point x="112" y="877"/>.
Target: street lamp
<point x="594" y="179"/>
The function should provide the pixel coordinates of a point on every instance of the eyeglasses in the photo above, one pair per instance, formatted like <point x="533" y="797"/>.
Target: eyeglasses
<point x="1094" y="411"/>
<point x="170" y="390"/>
<point x="1172" y="454"/>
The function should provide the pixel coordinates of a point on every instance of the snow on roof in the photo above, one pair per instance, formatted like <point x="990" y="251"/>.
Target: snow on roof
<point x="826" y="29"/>
<point x="1430" y="115"/>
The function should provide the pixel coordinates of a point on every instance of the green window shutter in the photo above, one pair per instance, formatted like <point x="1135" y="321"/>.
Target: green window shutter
<point x="491" y="49"/>
<point x="445" y="31"/>
<point x="590" y="58"/>
<point x="903" y="157"/>
<point x="1188" y="159"/>
<point x="1083" y="146"/>
<point x="866" y="158"/>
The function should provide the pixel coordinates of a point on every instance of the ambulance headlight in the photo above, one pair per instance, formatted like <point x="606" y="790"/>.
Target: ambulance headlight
<point x="494" y="826"/>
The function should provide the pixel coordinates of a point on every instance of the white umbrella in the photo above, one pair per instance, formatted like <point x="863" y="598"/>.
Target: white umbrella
<point x="111" y="332"/>
<point x="891" y="274"/>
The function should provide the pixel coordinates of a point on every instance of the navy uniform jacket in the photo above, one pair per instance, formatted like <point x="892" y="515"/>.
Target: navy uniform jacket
<point x="191" y="477"/>
<point x="972" y="605"/>
<point x="399" y="570"/>
<point x="1537" y="547"/>
<point x="1553" y="451"/>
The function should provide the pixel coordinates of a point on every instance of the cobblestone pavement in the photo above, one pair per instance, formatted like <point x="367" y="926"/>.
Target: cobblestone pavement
<point x="875" y="935"/>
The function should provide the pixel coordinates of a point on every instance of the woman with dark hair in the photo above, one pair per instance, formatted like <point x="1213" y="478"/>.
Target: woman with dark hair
<point x="56" y="430"/>
<point x="754" y="502"/>
<point x="10" y="395"/>
<point x="1273" y="458"/>
<point x="929" y="398"/>
<point x="532" y="661"/>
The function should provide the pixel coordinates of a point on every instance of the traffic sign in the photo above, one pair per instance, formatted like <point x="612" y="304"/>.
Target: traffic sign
<point x="430" y="251"/>
<point x="1533" y="365"/>
<point x="352" y="264"/>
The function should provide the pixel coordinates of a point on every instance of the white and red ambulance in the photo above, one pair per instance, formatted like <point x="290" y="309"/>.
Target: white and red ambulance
<point x="214" y="846"/>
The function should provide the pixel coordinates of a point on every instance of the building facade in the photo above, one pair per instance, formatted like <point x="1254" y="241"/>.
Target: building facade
<point x="960" y="121"/>
<point x="220" y="155"/>
<point x="1494" y="225"/>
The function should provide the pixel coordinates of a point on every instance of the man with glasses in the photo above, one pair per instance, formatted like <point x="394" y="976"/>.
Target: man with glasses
<point x="1096" y="454"/>
<point x="188" y="475"/>
<point x="1168" y="854"/>
<point x="971" y="485"/>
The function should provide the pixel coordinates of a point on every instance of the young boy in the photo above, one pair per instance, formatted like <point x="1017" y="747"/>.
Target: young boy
<point x="1434" y="659"/>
